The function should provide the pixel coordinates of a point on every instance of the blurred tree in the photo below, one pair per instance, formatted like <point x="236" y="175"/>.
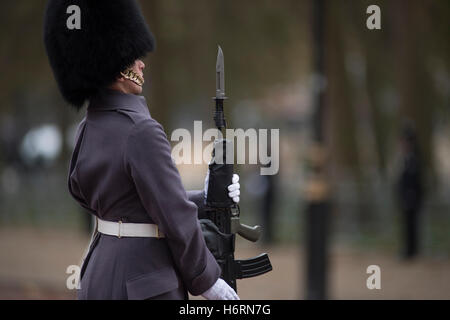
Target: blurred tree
<point x="412" y="79"/>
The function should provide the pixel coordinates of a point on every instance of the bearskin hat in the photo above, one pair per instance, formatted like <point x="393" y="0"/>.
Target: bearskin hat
<point x="110" y="37"/>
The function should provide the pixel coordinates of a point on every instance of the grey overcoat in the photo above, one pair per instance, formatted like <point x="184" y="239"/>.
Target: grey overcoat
<point x="122" y="170"/>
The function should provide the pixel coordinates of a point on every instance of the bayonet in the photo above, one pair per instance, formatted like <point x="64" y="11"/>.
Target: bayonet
<point x="219" y="116"/>
<point x="220" y="75"/>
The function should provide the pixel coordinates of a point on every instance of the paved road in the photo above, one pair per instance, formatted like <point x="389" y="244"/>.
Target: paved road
<point x="33" y="265"/>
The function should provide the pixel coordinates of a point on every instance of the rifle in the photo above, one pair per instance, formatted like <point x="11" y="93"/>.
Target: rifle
<point x="221" y="218"/>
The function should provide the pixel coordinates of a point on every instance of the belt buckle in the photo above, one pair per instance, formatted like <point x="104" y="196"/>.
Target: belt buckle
<point x="158" y="233"/>
<point x="120" y="229"/>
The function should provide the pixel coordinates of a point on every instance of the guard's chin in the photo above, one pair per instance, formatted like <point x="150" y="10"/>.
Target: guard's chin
<point x="137" y="88"/>
<point x="138" y="85"/>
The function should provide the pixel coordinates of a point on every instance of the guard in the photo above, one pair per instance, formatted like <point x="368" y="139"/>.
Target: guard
<point x="148" y="242"/>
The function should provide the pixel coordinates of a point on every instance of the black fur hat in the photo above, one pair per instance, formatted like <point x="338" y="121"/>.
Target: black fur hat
<point x="112" y="35"/>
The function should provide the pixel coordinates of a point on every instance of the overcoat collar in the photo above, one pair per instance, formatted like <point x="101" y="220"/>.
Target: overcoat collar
<point x="108" y="99"/>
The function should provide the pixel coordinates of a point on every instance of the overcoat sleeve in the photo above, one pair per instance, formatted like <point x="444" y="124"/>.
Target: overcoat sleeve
<point x="148" y="161"/>
<point x="197" y="197"/>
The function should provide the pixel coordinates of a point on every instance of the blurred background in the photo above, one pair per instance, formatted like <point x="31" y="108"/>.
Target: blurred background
<point x="364" y="141"/>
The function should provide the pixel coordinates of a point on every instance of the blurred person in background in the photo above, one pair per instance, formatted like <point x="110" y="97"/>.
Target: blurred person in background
<point x="148" y="243"/>
<point x="410" y="191"/>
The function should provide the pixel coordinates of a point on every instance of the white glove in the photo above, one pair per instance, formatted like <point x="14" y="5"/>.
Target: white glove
<point x="234" y="188"/>
<point x="220" y="291"/>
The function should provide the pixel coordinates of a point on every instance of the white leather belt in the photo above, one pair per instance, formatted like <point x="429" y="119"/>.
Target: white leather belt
<point x="120" y="229"/>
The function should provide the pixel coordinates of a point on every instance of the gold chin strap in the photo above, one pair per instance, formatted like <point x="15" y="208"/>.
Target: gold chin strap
<point x="133" y="76"/>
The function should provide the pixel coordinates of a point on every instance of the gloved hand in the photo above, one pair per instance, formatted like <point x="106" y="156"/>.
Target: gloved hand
<point x="220" y="291"/>
<point x="234" y="188"/>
